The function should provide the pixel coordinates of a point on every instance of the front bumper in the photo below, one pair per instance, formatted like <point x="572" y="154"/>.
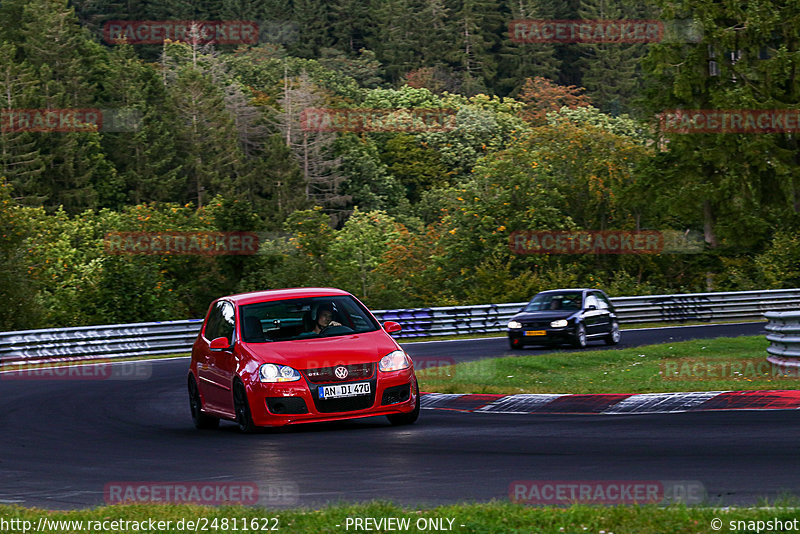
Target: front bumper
<point x="551" y="336"/>
<point x="278" y="404"/>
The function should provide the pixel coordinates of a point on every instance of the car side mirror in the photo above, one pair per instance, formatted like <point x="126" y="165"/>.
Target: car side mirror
<point x="391" y="327"/>
<point x="220" y="344"/>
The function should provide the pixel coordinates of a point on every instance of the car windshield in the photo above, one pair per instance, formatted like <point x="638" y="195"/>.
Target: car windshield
<point x="304" y="318"/>
<point x="554" y="301"/>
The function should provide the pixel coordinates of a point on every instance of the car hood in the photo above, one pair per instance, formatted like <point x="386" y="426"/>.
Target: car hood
<point x="325" y="352"/>
<point x="544" y="315"/>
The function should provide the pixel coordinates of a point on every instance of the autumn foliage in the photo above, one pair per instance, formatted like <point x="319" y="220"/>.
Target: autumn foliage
<point x="542" y="96"/>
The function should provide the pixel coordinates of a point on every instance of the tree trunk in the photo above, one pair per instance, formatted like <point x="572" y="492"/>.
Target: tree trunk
<point x="708" y="225"/>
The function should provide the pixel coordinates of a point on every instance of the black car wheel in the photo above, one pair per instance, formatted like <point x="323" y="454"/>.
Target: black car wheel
<point x="406" y="418"/>
<point x="614" y="336"/>
<point x="200" y="419"/>
<point x="243" y="417"/>
<point x="580" y="337"/>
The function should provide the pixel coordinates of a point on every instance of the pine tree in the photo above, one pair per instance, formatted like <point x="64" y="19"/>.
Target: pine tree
<point x="611" y="72"/>
<point x="519" y="60"/>
<point x="313" y="21"/>
<point x="68" y="65"/>
<point x="734" y="186"/>
<point x="350" y="23"/>
<point x="20" y="160"/>
<point x="184" y="9"/>
<point x="312" y="149"/>
<point x="53" y="39"/>
<point x="92" y="14"/>
<point x="393" y="37"/>
<point x="143" y="151"/>
<point x="11" y="20"/>
<point x="433" y="37"/>
<point x="206" y="136"/>
<point x="478" y="25"/>
<point x="275" y="187"/>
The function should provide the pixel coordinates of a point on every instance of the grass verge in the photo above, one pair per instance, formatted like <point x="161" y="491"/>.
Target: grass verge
<point x="700" y="365"/>
<point x="494" y="517"/>
<point x="637" y="326"/>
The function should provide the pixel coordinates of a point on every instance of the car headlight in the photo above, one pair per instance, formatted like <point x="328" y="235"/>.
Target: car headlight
<point x="271" y="372"/>
<point x="514" y="324"/>
<point x="560" y="323"/>
<point x="394" y="361"/>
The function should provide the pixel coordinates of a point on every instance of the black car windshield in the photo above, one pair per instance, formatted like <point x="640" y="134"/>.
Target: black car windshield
<point x="554" y="302"/>
<point x="304" y="318"/>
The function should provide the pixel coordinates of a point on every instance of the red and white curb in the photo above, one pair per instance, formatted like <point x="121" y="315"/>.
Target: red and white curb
<point x="613" y="403"/>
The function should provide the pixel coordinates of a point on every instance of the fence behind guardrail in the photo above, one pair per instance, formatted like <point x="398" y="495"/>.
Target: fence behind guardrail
<point x="171" y="337"/>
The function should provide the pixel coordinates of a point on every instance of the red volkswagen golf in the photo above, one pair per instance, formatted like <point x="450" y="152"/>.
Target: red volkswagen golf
<point x="278" y="357"/>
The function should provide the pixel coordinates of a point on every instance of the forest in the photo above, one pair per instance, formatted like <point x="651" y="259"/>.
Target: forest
<point x="389" y="148"/>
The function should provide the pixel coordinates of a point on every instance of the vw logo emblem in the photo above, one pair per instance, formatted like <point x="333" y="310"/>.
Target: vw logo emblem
<point x="341" y="372"/>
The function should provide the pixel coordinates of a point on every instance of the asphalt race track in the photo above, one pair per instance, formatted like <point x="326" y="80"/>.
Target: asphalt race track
<point x="64" y="440"/>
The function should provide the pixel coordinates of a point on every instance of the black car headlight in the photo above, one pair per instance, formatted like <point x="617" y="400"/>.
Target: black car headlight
<point x="559" y="323"/>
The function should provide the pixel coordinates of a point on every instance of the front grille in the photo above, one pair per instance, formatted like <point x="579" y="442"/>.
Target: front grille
<point x="535" y="324"/>
<point x="345" y="404"/>
<point x="396" y="394"/>
<point x="286" y="405"/>
<point x="326" y="375"/>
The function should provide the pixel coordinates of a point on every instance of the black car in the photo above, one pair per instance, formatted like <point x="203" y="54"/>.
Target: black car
<point x="573" y="316"/>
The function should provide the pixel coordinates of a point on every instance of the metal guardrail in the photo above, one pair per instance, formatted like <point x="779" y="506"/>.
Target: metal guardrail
<point x="171" y="337"/>
<point x="702" y="307"/>
<point x="784" y="337"/>
<point x="107" y="341"/>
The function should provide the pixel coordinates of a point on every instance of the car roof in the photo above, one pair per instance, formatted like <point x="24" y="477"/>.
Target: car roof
<point x="568" y="290"/>
<point x="280" y="294"/>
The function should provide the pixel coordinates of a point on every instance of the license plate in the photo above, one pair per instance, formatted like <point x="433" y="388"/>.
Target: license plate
<point x="535" y="333"/>
<point x="344" y="390"/>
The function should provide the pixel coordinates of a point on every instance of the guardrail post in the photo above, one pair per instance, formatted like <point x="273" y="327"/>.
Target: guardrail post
<point x="784" y="338"/>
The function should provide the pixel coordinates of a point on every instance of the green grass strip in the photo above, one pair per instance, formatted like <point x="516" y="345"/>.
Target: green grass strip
<point x="700" y="365"/>
<point x="494" y="517"/>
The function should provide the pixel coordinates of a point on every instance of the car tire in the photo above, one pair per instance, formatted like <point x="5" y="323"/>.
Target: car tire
<point x="406" y="418"/>
<point x="613" y="336"/>
<point x="201" y="420"/>
<point x="242" y="407"/>
<point x="579" y="340"/>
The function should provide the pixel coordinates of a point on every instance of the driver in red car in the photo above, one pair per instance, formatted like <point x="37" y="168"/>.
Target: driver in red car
<point x="323" y="318"/>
